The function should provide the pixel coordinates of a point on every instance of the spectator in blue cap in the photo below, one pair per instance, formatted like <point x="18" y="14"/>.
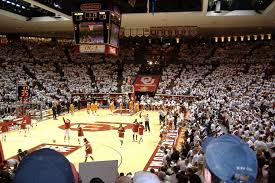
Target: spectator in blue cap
<point x="45" y="166"/>
<point x="229" y="159"/>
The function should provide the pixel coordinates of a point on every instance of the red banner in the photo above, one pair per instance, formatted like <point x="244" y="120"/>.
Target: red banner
<point x="146" y="83"/>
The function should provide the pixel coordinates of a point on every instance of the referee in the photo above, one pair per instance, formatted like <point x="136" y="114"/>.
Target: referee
<point x="147" y="125"/>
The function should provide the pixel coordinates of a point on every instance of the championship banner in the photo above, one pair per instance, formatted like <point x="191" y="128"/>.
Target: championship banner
<point x="146" y="83"/>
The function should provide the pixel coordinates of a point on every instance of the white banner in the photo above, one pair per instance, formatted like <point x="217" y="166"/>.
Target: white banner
<point x="89" y="48"/>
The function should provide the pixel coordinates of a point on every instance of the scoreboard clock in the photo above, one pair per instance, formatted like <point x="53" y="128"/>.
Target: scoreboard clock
<point x="23" y="92"/>
<point x="96" y="27"/>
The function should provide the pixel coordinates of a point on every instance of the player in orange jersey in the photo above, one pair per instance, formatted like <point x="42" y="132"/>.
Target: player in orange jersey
<point x="72" y="108"/>
<point x="96" y="106"/>
<point x="88" y="107"/>
<point x="93" y="107"/>
<point x="121" y="132"/>
<point x="120" y="107"/>
<point x="136" y="106"/>
<point x="88" y="149"/>
<point x="112" y="106"/>
<point x="131" y="106"/>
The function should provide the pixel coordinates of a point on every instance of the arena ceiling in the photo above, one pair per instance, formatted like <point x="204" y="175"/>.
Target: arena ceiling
<point x="52" y="17"/>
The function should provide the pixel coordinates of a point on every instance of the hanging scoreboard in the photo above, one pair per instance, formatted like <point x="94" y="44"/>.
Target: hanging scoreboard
<point x="96" y="28"/>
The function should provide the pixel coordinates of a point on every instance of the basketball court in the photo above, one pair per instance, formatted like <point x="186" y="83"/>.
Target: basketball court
<point x="100" y="130"/>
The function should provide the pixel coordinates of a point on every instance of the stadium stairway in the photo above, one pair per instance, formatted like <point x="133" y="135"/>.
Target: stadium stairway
<point x="120" y="76"/>
<point x="32" y="75"/>
<point x="91" y="74"/>
<point x="67" y="53"/>
<point x="59" y="70"/>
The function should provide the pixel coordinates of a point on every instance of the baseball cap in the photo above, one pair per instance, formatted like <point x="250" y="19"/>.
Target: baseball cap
<point x="44" y="166"/>
<point x="142" y="177"/>
<point x="231" y="159"/>
<point x="206" y="141"/>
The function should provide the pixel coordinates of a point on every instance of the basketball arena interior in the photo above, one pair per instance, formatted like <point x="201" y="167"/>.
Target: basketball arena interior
<point x="137" y="91"/>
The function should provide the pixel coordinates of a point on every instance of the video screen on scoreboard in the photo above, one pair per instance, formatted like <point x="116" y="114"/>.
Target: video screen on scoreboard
<point x="114" y="38"/>
<point x="91" y="32"/>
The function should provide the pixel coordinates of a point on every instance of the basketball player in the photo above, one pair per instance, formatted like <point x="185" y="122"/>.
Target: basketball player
<point x="112" y="106"/>
<point x="96" y="106"/>
<point x="67" y="124"/>
<point x="120" y="107"/>
<point x="80" y="133"/>
<point x="4" y="130"/>
<point x="140" y="132"/>
<point x="88" y="107"/>
<point x="137" y="106"/>
<point x="93" y="107"/>
<point x="72" y="108"/>
<point x="23" y="126"/>
<point x="88" y="149"/>
<point x="135" y="130"/>
<point x="121" y="131"/>
<point x="131" y="106"/>
<point x="28" y="122"/>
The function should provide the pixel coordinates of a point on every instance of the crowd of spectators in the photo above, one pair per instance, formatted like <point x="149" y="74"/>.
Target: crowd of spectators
<point x="105" y="77"/>
<point x="235" y="83"/>
<point x="130" y="71"/>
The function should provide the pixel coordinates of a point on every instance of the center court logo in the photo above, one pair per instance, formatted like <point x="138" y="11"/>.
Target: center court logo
<point x="147" y="80"/>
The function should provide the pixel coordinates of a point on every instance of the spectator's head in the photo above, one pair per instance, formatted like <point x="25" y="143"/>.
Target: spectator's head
<point x="142" y="177"/>
<point x="44" y="166"/>
<point x="121" y="174"/>
<point x="96" y="180"/>
<point x="182" y="178"/>
<point x="161" y="175"/>
<point x="152" y="170"/>
<point x="19" y="151"/>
